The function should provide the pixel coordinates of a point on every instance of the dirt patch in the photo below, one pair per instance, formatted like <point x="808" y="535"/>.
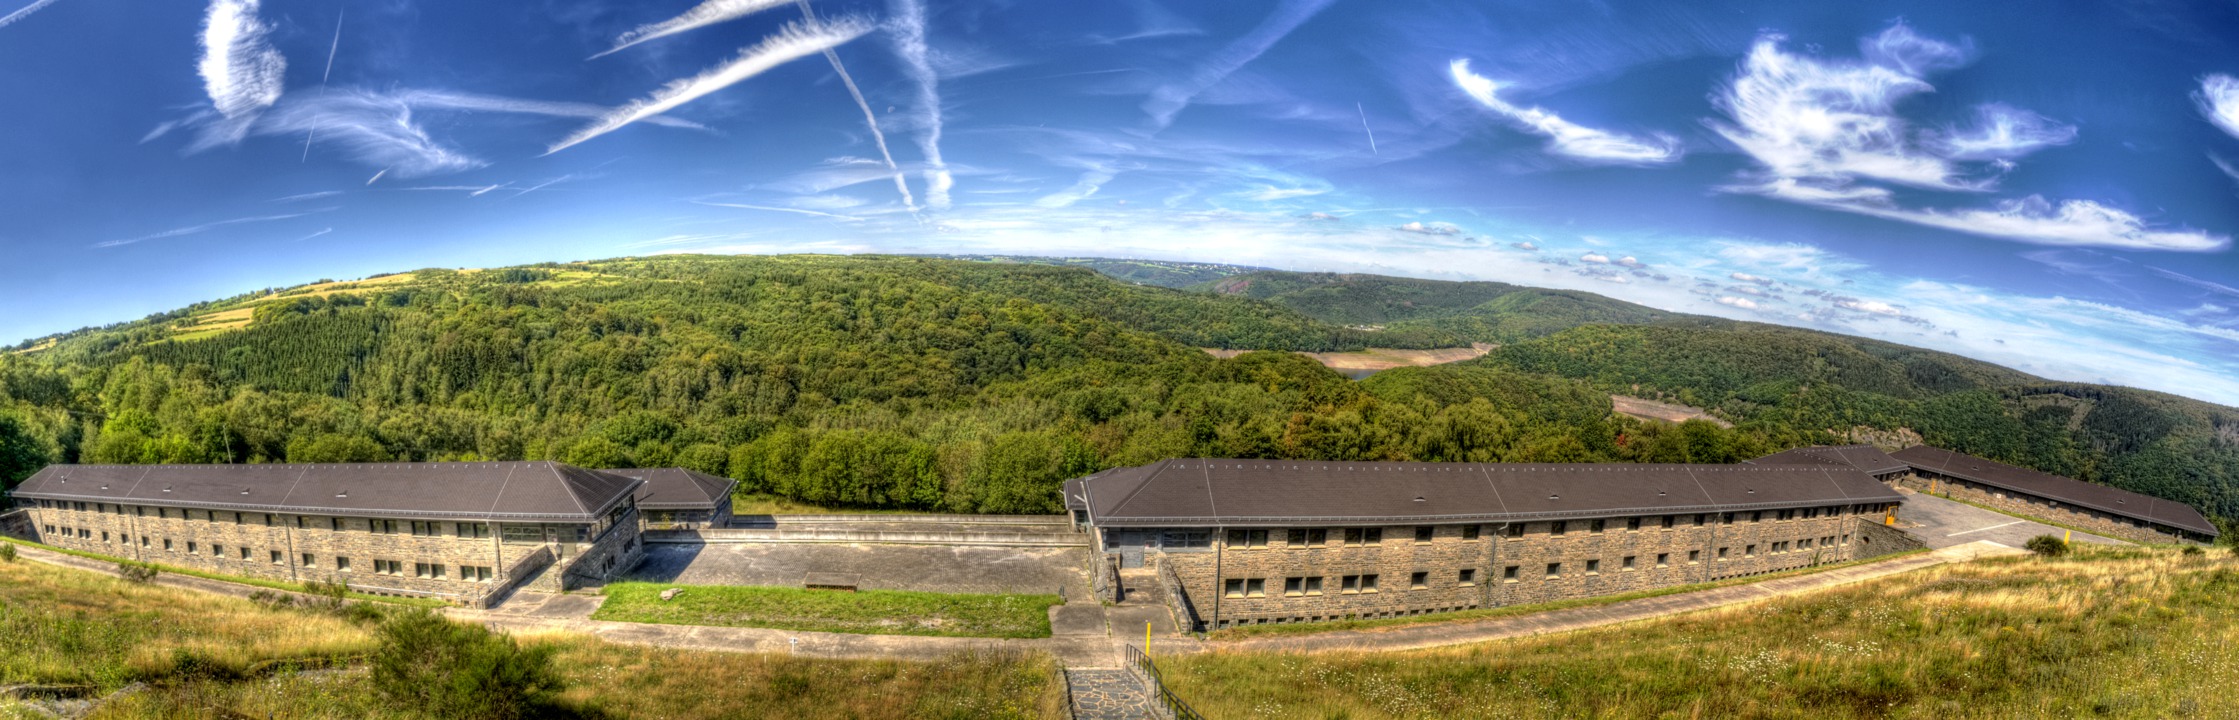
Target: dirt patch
<point x="1668" y="412"/>
<point x="1382" y="358"/>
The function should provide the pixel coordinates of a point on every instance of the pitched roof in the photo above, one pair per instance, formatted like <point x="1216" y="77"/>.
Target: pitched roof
<point x="516" y="491"/>
<point x="1867" y="458"/>
<point x="1199" y="492"/>
<point x="2047" y="485"/>
<point x="677" y="488"/>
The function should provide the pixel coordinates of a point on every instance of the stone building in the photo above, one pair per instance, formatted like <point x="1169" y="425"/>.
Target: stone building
<point x="2021" y="491"/>
<point x="458" y="531"/>
<point x="1260" y="541"/>
<point x="680" y="499"/>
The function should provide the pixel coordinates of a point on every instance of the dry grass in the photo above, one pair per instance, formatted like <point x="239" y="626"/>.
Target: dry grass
<point x="2114" y="632"/>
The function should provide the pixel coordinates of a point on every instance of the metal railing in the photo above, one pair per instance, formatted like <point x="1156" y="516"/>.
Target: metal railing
<point x="1165" y="700"/>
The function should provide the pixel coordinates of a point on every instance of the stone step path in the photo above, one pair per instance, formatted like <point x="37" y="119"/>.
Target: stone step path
<point x="1107" y="694"/>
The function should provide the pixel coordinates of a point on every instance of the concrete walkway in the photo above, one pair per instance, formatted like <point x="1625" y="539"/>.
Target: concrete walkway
<point x="1415" y="637"/>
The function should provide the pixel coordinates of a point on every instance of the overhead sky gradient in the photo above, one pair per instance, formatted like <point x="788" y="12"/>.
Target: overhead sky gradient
<point x="2053" y="187"/>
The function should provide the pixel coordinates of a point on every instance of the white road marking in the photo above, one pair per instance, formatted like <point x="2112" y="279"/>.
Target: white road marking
<point x="1980" y="529"/>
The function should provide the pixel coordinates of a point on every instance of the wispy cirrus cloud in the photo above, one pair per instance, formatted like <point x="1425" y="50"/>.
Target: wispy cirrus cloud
<point x="700" y="16"/>
<point x="205" y="227"/>
<point x="792" y="43"/>
<point x="240" y="69"/>
<point x="1825" y="131"/>
<point x="908" y="33"/>
<point x="772" y="208"/>
<point x="24" y="12"/>
<point x="2218" y="98"/>
<point x="1567" y="138"/>
<point x="1168" y="99"/>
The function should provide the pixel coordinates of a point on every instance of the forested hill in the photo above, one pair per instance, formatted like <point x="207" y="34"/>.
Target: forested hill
<point x="978" y="386"/>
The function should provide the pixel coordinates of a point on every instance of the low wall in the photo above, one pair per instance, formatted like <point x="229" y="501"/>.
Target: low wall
<point x="763" y="521"/>
<point x="887" y="537"/>
<point x="1876" y="540"/>
<point x="18" y="524"/>
<point x="2012" y="503"/>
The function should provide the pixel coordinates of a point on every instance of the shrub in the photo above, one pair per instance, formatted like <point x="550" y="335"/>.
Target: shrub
<point x="8" y="552"/>
<point x="135" y="572"/>
<point x="2047" y="546"/>
<point x="2193" y="551"/>
<point x="453" y="670"/>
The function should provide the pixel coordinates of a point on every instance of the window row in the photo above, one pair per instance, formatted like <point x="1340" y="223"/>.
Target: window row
<point x="309" y="561"/>
<point x="1241" y="538"/>
<point x="420" y="528"/>
<point x="1310" y="586"/>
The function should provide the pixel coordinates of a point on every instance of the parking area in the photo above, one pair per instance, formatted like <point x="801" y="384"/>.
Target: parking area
<point x="930" y="568"/>
<point x="1944" y="523"/>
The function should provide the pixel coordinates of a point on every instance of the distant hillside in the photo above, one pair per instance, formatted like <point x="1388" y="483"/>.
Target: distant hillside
<point x="977" y="385"/>
<point x="1163" y="273"/>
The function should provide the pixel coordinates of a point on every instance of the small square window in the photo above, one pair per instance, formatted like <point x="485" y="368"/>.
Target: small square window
<point x="1233" y="588"/>
<point x="1368" y="583"/>
<point x="1515" y="529"/>
<point x="1554" y="570"/>
<point x="1296" y="538"/>
<point x="1670" y="521"/>
<point x="1509" y="573"/>
<point x="1632" y="524"/>
<point x="1294" y="587"/>
<point x="1255" y="587"/>
<point x="1418" y="581"/>
<point x="217" y="550"/>
<point x="1313" y="586"/>
<point x="1750" y="551"/>
<point x="1596" y="526"/>
<point x="1469" y="532"/>
<point x="310" y="560"/>
<point x="1351" y="586"/>
<point x="1722" y="553"/>
<point x="1558" y="527"/>
<point x="1424" y="533"/>
<point x="1353" y="536"/>
<point x="341" y="563"/>
<point x="1468" y="576"/>
<point x="1375" y="537"/>
<point x="1663" y="559"/>
<point x="1594" y="567"/>
<point x="1628" y="562"/>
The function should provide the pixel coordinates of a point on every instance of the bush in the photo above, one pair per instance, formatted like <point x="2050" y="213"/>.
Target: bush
<point x="136" y="572"/>
<point x="2047" y="545"/>
<point x="453" y="670"/>
<point x="8" y="552"/>
<point x="2193" y="551"/>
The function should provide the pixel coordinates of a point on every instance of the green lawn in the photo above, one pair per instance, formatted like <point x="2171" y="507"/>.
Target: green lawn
<point x="876" y="612"/>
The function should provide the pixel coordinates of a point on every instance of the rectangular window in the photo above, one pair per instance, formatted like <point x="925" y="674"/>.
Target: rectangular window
<point x="1368" y="583"/>
<point x="310" y="560"/>
<point x="1694" y="556"/>
<point x="1317" y="537"/>
<point x="1722" y="553"/>
<point x="1750" y="551"/>
<point x="1554" y="570"/>
<point x="1313" y="586"/>
<point x="1255" y="538"/>
<point x="1846" y="538"/>
<point x="1294" y="586"/>
<point x="268" y="520"/>
<point x="1663" y="559"/>
<point x="1254" y="587"/>
<point x="1632" y="524"/>
<point x="1469" y="532"/>
<point x="1234" y="588"/>
<point x="1355" y="536"/>
<point x="1727" y="519"/>
<point x="217" y="550"/>
<point x="1701" y="518"/>
<point x="481" y="573"/>
<point x="167" y="544"/>
<point x="1628" y="562"/>
<point x="237" y="519"/>
<point x="1594" y="567"/>
<point x="473" y="530"/>
<point x="1670" y="521"/>
<point x="244" y="553"/>
<point x="1468" y="577"/>
<point x="1508" y="574"/>
<point x="1515" y="529"/>
<point x="341" y="563"/>
<point x="299" y="522"/>
<point x="1418" y="581"/>
<point x="143" y="541"/>
<point x="335" y="524"/>
<point x="1757" y="516"/>
<point x="1595" y="527"/>
<point x="426" y="529"/>
<point x="1352" y="585"/>
<point x="1557" y="528"/>
<point x="1296" y="538"/>
<point x="1424" y="533"/>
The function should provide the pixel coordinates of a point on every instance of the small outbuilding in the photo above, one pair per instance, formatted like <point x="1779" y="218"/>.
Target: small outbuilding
<point x="679" y="499"/>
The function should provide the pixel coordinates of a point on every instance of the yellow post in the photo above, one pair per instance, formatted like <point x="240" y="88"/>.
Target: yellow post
<point x="1146" y="638"/>
<point x="2067" y="536"/>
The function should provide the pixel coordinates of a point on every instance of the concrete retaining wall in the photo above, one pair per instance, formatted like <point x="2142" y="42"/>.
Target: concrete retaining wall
<point x="764" y="521"/>
<point x="1876" y="540"/>
<point x="889" y="537"/>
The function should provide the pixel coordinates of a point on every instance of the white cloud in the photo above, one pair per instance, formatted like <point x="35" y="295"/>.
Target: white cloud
<point x="1901" y="49"/>
<point x="1167" y="100"/>
<point x="2033" y="219"/>
<point x="1565" y="137"/>
<point x="1743" y="303"/>
<point x="1627" y="261"/>
<point x="1870" y="306"/>
<point x="1091" y="181"/>
<point x="241" y="70"/>
<point x="2004" y="132"/>
<point x="1594" y="258"/>
<point x="1429" y="228"/>
<point x="1526" y="245"/>
<point x="1746" y="277"/>
<point x="2219" y="101"/>
<point x="792" y="43"/>
<point x="1828" y="121"/>
<point x="908" y="33"/>
<point x="26" y="11"/>
<point x="205" y="227"/>
<point x="701" y="15"/>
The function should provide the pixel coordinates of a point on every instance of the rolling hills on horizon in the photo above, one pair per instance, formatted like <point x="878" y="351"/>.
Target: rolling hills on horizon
<point x="975" y="384"/>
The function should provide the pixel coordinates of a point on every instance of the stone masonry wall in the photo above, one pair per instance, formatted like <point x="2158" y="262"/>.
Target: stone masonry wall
<point x="2018" y="504"/>
<point x="295" y="548"/>
<point x="1876" y="539"/>
<point x="1591" y="563"/>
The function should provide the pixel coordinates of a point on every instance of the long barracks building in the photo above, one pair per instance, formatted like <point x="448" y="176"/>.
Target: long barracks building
<point x="460" y="531"/>
<point x="1260" y="541"/>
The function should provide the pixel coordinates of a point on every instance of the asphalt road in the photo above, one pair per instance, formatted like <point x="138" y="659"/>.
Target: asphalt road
<point x="1944" y="523"/>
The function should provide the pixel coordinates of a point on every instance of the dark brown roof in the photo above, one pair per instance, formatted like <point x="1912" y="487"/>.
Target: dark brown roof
<point x="2047" y="485"/>
<point x="1198" y="492"/>
<point x="516" y="491"/>
<point x="1867" y="458"/>
<point x="677" y="488"/>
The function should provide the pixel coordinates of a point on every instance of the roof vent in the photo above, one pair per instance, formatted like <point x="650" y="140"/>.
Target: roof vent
<point x="1753" y="491"/>
<point x="1659" y="493"/>
<point x="1418" y="498"/>
<point x="104" y="487"/>
<point x="167" y="488"/>
<point x="244" y="491"/>
<point x="1553" y="496"/>
<point x="342" y="494"/>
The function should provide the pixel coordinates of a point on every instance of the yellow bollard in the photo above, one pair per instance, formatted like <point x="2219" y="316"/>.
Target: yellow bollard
<point x="2067" y="536"/>
<point x="1146" y="638"/>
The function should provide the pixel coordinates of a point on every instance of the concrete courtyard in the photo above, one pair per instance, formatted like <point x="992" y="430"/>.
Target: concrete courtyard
<point x="931" y="568"/>
<point x="1944" y="523"/>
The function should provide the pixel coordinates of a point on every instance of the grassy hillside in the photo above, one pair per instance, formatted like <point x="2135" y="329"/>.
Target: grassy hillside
<point x="2119" y="633"/>
<point x="976" y="386"/>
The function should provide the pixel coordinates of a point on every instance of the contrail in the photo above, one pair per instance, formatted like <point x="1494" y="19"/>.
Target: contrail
<point x="869" y="119"/>
<point x="1364" y="128"/>
<point x="337" y="45"/>
<point x="313" y="235"/>
<point x="703" y="15"/>
<point x="27" y="10"/>
<point x="376" y="176"/>
<point x="836" y="216"/>
<point x="909" y="42"/>
<point x="791" y="43"/>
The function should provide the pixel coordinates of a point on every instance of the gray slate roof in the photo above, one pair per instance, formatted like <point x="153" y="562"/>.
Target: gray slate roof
<point x="677" y="488"/>
<point x="502" y="491"/>
<point x="2047" y="485"/>
<point x="1867" y="458"/>
<point x="1203" y="492"/>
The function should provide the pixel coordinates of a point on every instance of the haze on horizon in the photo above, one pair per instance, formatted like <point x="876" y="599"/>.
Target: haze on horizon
<point x="2047" y="188"/>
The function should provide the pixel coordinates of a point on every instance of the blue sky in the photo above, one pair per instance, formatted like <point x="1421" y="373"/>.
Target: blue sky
<point x="2049" y="186"/>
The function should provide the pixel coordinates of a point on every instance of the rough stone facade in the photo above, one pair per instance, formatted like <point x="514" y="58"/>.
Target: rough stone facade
<point x="455" y="560"/>
<point x="1284" y="575"/>
<point x="2015" y="503"/>
<point x="1876" y="539"/>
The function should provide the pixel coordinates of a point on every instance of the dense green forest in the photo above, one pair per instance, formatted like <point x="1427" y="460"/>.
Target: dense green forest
<point x="978" y="386"/>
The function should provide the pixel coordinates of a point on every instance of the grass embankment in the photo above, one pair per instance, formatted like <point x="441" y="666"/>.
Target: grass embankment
<point x="235" y="579"/>
<point x="207" y="656"/>
<point x="2106" y="632"/>
<point x="878" y="612"/>
<point x="1252" y="631"/>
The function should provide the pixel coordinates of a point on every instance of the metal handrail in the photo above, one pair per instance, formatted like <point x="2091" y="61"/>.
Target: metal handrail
<point x="1147" y="671"/>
